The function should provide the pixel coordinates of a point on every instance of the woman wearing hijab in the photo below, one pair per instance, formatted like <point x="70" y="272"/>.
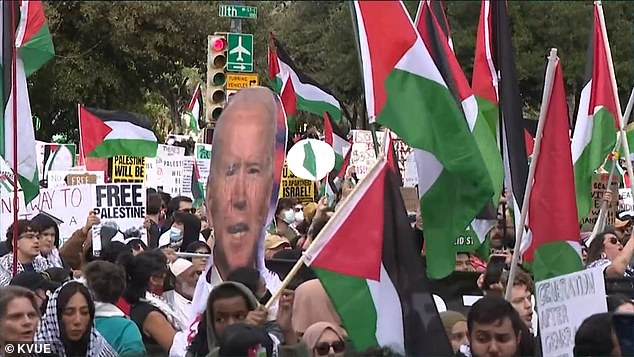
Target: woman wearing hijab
<point x="68" y="324"/>
<point x="49" y="239"/>
<point x="455" y="325"/>
<point x="325" y="339"/>
<point x="312" y="305"/>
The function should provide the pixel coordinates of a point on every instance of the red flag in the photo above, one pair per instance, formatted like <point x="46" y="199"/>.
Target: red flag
<point x="553" y="205"/>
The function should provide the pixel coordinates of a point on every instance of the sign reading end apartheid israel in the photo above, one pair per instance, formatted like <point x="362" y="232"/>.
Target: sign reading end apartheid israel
<point x="127" y="169"/>
<point x="295" y="187"/>
<point x="563" y="303"/>
<point x="121" y="205"/>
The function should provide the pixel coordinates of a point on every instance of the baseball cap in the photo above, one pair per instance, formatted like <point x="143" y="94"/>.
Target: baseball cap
<point x="273" y="241"/>
<point x="34" y="280"/>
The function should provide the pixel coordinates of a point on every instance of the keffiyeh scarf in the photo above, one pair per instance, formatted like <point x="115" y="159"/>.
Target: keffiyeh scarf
<point x="159" y="303"/>
<point x="48" y="331"/>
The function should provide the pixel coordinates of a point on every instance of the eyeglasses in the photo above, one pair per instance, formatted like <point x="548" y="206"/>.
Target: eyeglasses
<point x="323" y="348"/>
<point x="29" y="235"/>
<point x="189" y="210"/>
<point x="613" y="240"/>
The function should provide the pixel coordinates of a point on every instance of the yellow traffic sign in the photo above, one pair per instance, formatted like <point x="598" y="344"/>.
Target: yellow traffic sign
<point x="237" y="81"/>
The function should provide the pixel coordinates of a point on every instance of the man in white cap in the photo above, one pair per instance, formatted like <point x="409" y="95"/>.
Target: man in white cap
<point x="180" y="299"/>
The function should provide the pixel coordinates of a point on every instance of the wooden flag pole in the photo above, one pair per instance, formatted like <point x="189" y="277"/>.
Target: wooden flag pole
<point x="548" y="87"/>
<point x="621" y="121"/>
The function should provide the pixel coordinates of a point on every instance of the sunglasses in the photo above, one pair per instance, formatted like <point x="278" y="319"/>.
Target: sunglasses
<point x="613" y="240"/>
<point x="323" y="348"/>
<point x="202" y="252"/>
<point x="189" y="210"/>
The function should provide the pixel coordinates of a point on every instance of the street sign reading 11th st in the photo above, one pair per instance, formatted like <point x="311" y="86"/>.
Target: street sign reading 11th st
<point x="238" y="11"/>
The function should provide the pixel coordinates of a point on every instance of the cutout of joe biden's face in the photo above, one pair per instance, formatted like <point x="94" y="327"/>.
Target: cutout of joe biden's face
<point x="241" y="177"/>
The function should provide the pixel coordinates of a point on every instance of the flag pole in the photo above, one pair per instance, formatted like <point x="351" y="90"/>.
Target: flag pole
<point x="608" y="52"/>
<point x="14" y="106"/>
<point x="301" y="261"/>
<point x="548" y="87"/>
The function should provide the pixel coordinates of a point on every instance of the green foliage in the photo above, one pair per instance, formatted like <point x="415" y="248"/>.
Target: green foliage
<point x="149" y="56"/>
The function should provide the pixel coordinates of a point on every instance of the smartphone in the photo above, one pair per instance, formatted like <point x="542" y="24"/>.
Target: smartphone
<point x="624" y="327"/>
<point x="494" y="270"/>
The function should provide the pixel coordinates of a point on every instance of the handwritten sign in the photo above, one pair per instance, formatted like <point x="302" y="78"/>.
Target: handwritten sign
<point x="127" y="169"/>
<point x="203" y="159"/>
<point x="120" y="204"/>
<point x="626" y="203"/>
<point x="72" y="177"/>
<point x="170" y="150"/>
<point x="599" y="185"/>
<point x="70" y="204"/>
<point x="563" y="303"/>
<point x="295" y="187"/>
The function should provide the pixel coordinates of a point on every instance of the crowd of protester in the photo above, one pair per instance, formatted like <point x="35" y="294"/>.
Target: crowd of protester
<point x="135" y="297"/>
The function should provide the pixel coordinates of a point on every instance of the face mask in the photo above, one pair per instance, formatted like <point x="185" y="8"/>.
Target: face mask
<point x="299" y="217"/>
<point x="289" y="216"/>
<point x="176" y="234"/>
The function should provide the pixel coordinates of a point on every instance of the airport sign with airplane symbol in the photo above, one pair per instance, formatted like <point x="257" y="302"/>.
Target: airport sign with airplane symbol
<point x="240" y="52"/>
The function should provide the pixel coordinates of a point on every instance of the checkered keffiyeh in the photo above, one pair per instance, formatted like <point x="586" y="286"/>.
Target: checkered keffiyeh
<point x="6" y="267"/>
<point x="48" y="331"/>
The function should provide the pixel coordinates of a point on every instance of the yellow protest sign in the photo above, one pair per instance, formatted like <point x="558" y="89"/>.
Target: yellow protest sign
<point x="127" y="169"/>
<point x="295" y="187"/>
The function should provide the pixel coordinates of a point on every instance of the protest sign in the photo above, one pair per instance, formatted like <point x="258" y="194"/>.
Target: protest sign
<point x="363" y="156"/>
<point x="171" y="173"/>
<point x="72" y="178"/>
<point x="70" y="204"/>
<point x="203" y="159"/>
<point x="626" y="203"/>
<point x="295" y="187"/>
<point x="186" y="178"/>
<point x="311" y="159"/>
<point x="599" y="185"/>
<point x="122" y="205"/>
<point x="563" y="303"/>
<point x="127" y="169"/>
<point x="152" y="179"/>
<point x="169" y="150"/>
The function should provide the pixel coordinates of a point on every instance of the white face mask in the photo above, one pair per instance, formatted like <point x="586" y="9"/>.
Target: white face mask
<point x="288" y="216"/>
<point x="299" y="217"/>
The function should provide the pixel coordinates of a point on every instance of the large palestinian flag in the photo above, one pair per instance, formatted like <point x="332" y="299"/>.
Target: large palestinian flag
<point x="310" y="96"/>
<point x="406" y="93"/>
<point x="554" y="246"/>
<point x="34" y="45"/>
<point x="382" y="296"/>
<point x="432" y="25"/>
<point x="107" y="133"/>
<point x="597" y="117"/>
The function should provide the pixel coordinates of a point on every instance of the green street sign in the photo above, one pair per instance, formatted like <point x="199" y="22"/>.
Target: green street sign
<point x="239" y="52"/>
<point x="238" y="11"/>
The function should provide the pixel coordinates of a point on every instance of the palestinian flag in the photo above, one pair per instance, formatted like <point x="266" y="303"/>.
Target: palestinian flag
<point x="107" y="133"/>
<point x="34" y="45"/>
<point x="597" y="117"/>
<point x="339" y="144"/>
<point x="195" y="111"/>
<point x="494" y="52"/>
<point x="431" y="23"/>
<point x="382" y="296"/>
<point x="197" y="189"/>
<point x="554" y="247"/>
<point x="406" y="93"/>
<point x="309" y="95"/>
<point x="57" y="157"/>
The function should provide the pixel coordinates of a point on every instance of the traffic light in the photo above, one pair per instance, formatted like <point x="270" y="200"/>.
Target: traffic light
<point x="218" y="78"/>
